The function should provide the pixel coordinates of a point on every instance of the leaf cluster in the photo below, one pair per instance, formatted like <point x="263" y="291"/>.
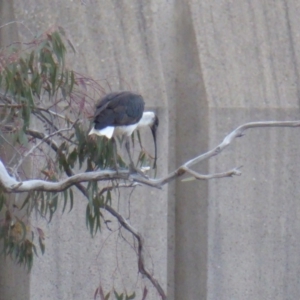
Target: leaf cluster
<point x="122" y="296"/>
<point x="45" y="110"/>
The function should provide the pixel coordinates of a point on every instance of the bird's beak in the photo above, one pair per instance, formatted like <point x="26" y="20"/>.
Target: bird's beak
<point x="153" y="130"/>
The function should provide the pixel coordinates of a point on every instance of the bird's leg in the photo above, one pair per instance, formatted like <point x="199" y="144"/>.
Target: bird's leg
<point x="115" y="153"/>
<point x="132" y="167"/>
<point x="127" y="146"/>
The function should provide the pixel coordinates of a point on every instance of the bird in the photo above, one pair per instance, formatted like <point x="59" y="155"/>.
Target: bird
<point x="119" y="114"/>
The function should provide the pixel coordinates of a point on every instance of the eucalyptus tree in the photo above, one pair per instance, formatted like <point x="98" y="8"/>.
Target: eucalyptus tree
<point x="46" y="109"/>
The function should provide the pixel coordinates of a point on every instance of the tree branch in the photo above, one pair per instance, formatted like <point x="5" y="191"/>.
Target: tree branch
<point x="238" y="132"/>
<point x="11" y="185"/>
<point x="196" y="175"/>
<point x="141" y="263"/>
<point x="38" y="144"/>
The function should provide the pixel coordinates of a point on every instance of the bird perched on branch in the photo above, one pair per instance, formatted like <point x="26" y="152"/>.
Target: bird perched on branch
<point x="120" y="114"/>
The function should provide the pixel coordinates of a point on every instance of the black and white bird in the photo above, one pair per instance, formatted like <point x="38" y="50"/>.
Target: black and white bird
<point x="120" y="114"/>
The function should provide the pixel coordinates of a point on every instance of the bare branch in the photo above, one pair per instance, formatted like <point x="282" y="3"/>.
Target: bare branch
<point x="141" y="263"/>
<point x="39" y="144"/>
<point x="196" y="175"/>
<point x="238" y="132"/>
<point x="17" y="22"/>
<point x="11" y="185"/>
<point x="54" y="114"/>
<point x="119" y="185"/>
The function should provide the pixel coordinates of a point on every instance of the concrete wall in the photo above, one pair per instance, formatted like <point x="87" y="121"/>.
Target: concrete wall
<point x="207" y="67"/>
<point x="14" y="281"/>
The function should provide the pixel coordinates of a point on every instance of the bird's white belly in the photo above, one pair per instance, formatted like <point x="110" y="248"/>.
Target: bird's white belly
<point x="110" y="131"/>
<point x="107" y="131"/>
<point x="126" y="130"/>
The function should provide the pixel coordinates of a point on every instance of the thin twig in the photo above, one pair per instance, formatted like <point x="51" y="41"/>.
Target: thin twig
<point x="141" y="263"/>
<point x="238" y="132"/>
<point x="199" y="176"/>
<point x="38" y="145"/>
<point x="47" y="110"/>
<point x="14" y="22"/>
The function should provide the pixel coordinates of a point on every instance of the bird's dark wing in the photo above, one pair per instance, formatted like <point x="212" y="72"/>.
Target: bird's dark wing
<point x="117" y="109"/>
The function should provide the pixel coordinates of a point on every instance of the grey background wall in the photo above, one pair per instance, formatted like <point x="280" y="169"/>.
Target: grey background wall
<point x="206" y="67"/>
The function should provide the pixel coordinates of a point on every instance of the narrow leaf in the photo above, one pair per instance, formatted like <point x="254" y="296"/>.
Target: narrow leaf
<point x="132" y="296"/>
<point x="65" y="193"/>
<point x="42" y="245"/>
<point x="71" y="199"/>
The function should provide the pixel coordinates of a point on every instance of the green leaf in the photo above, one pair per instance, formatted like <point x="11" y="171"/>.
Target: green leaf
<point x="42" y="245"/>
<point x="34" y="249"/>
<point x="97" y="217"/>
<point x="65" y="194"/>
<point x="29" y="96"/>
<point x="71" y="199"/>
<point x="2" y="201"/>
<point x="29" y="262"/>
<point x="72" y="82"/>
<point x="26" y="113"/>
<point x="132" y="296"/>
<point x="30" y="62"/>
<point x="90" y="195"/>
<point x="58" y="47"/>
<point x="108" y="198"/>
<point x="118" y="297"/>
<point x="91" y="224"/>
<point x="72" y="158"/>
<point x="36" y="84"/>
<point x="24" y="230"/>
<point x="53" y="205"/>
<point x="87" y="214"/>
<point x="54" y="78"/>
<point x="44" y="204"/>
<point x="22" y="138"/>
<point x="25" y="202"/>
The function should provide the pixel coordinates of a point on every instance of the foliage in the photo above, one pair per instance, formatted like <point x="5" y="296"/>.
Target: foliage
<point x="45" y="108"/>
<point x="122" y="296"/>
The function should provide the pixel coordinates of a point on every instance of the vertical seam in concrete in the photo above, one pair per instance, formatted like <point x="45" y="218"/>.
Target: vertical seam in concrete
<point x="189" y="257"/>
<point x="292" y="48"/>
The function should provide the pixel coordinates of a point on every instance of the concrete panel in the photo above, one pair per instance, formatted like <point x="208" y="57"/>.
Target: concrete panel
<point x="249" y="51"/>
<point x="14" y="281"/>
<point x="247" y="59"/>
<point x="116" y="45"/>
<point x="207" y="66"/>
<point x="253" y="223"/>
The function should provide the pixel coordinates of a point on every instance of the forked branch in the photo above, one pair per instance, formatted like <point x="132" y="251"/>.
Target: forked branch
<point x="11" y="185"/>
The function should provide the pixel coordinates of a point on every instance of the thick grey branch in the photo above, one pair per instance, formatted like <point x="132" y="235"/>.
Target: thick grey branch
<point x="230" y="173"/>
<point x="11" y="185"/>
<point x="238" y="132"/>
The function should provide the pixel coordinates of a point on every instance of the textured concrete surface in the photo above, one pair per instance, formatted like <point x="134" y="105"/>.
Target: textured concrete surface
<point x="14" y="281"/>
<point x="207" y="67"/>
